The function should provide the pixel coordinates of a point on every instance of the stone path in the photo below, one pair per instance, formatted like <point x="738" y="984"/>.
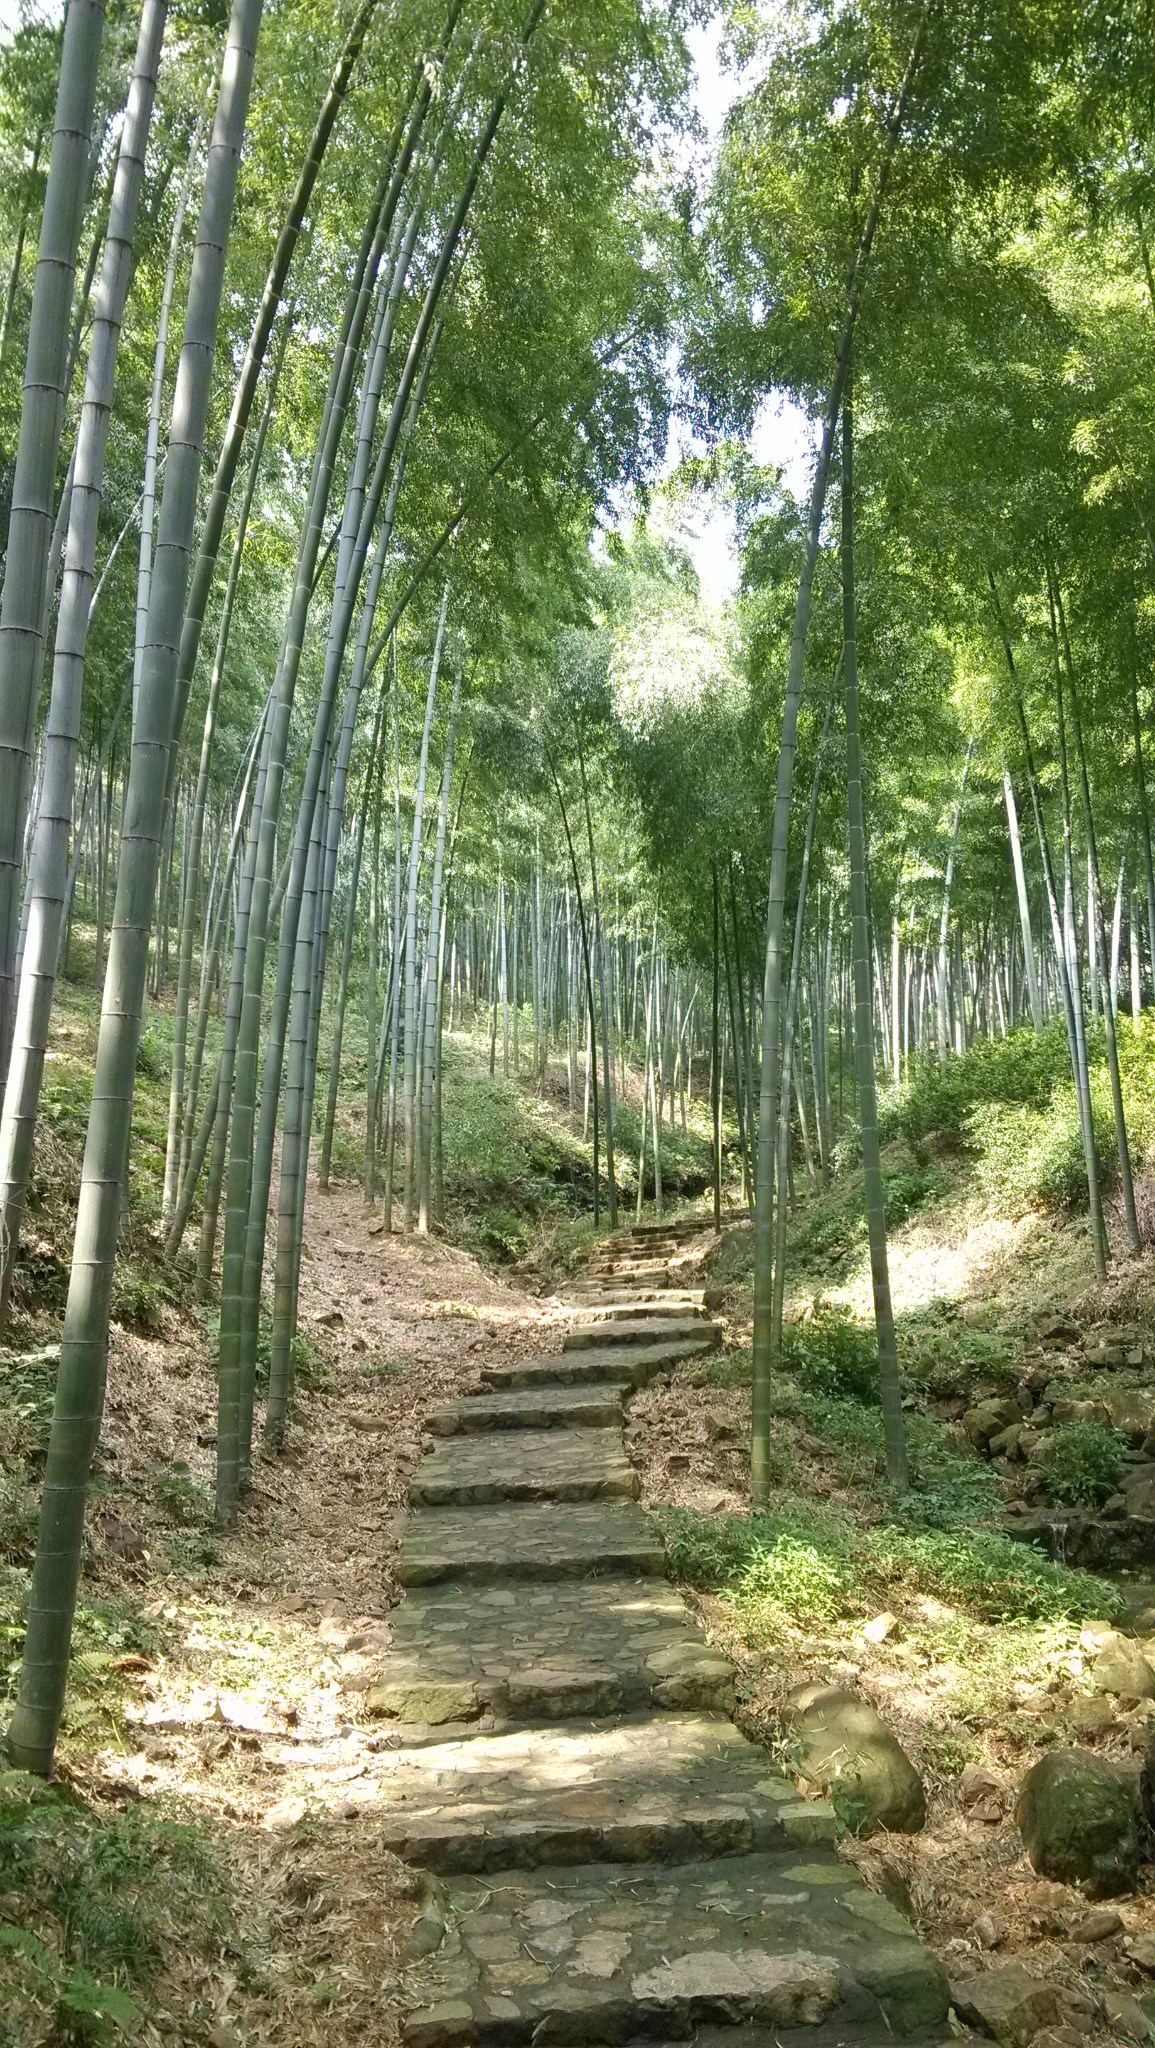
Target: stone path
<point x="607" y="1859"/>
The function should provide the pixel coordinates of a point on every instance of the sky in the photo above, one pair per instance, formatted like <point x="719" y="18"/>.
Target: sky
<point x="782" y="433"/>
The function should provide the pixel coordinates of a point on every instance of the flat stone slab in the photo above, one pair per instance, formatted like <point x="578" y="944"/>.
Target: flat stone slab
<point x="528" y="1541"/>
<point x="526" y="1464"/>
<point x="662" y="1788"/>
<point x="647" y="1306"/>
<point x="542" y="1403"/>
<point x="546" y="1652"/>
<point x="693" y="1330"/>
<point x="602" y="1954"/>
<point x="634" y="1360"/>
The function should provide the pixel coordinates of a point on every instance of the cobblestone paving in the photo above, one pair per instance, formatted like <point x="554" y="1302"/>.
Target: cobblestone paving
<point x="569" y="1539"/>
<point x="607" y="1859"/>
<point x="580" y="1646"/>
<point x="694" y="1330"/>
<point x="666" y="1788"/>
<point x="541" y="1464"/>
<point x="634" y="1361"/>
<point x="544" y="1405"/>
<point x="605" y="1954"/>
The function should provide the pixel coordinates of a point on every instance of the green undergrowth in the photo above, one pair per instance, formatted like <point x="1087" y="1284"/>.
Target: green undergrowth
<point x="146" y="1284"/>
<point x="104" y="1896"/>
<point x="1009" y="1105"/>
<point x="809" y="1562"/>
<point x="519" y="1173"/>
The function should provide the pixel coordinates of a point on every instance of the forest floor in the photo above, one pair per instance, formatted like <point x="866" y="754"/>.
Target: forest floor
<point x="210" y="1851"/>
<point x="971" y="1663"/>
<point x="203" y="1851"/>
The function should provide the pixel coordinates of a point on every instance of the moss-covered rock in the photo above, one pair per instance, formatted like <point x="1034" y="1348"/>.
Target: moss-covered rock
<point x="1080" y="1822"/>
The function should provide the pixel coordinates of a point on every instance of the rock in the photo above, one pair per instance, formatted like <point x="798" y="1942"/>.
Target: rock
<point x="721" y="1432"/>
<point x="1008" y="2005"/>
<point x="1034" y="1444"/>
<point x="1067" y="1410"/>
<point x="988" y="1419"/>
<point x="1131" y="1411"/>
<point x="1058" y="2037"/>
<point x="1059" y="1329"/>
<point x="1127" y="2016"/>
<point x="1139" y="1491"/>
<point x="1114" y="1509"/>
<point x="1079" y="1822"/>
<point x="989" y="1932"/>
<point x="1006" y="1444"/>
<point x="1099" y="1925"/>
<point x="285" y="1814"/>
<point x="981" y="1794"/>
<point x="843" y="1743"/>
<point x="431" y="1701"/>
<point x="1121" y="1667"/>
<point x="879" y="1627"/>
<point x="1094" y="1716"/>
<point x="121" y="1539"/>
<point x="1141" y="1950"/>
<point x="678" y="1461"/>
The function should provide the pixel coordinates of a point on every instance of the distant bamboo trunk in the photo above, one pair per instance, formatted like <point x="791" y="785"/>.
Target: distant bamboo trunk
<point x="889" y="1376"/>
<point x="763" y="1344"/>
<point x="24" y="601"/>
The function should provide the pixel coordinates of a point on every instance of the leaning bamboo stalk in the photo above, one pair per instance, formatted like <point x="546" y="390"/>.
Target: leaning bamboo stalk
<point x="80" y="1382"/>
<point x="48" y="864"/>
<point x="23" y="603"/>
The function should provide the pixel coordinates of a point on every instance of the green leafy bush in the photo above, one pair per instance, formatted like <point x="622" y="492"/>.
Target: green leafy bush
<point x="106" y="1894"/>
<point x="1033" y="1159"/>
<point x="1084" y="1465"/>
<point x="798" y="1579"/>
<point x="831" y="1354"/>
<point x="936" y="1097"/>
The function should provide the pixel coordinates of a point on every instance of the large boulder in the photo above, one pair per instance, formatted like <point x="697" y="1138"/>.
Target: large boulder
<point x="1139" y="1491"/>
<point x="1079" y="1821"/>
<point x="846" y="1751"/>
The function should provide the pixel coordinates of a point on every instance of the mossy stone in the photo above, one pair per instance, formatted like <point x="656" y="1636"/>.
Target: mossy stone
<point x="1080" y="1823"/>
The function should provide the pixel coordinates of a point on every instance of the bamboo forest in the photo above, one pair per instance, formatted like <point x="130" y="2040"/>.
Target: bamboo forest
<point x="577" y="1023"/>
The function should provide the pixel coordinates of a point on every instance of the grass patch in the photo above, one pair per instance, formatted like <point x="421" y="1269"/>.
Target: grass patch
<point x="806" y="1564"/>
<point x="102" y="1898"/>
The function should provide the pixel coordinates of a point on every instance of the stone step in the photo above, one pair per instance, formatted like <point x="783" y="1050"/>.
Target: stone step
<point x="525" y="1464"/>
<point x="661" y="1307"/>
<point x="526" y="1541"/>
<point x="666" y="1301"/>
<point x="634" y="1362"/>
<point x="546" y="1652"/>
<point x="697" y="1331"/>
<point x="600" y="1954"/>
<point x="538" y="1402"/>
<point x="665" y="1788"/>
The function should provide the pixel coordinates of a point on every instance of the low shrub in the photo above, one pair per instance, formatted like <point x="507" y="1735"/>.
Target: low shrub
<point x="833" y="1355"/>
<point x="1083" y="1465"/>
<point x="937" y="1096"/>
<point x="1033" y="1159"/>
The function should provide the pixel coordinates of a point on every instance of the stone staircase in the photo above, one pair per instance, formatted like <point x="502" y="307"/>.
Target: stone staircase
<point x="606" y="1858"/>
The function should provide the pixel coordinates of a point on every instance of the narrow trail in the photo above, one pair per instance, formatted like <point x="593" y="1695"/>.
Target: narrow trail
<point x="607" y="1859"/>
